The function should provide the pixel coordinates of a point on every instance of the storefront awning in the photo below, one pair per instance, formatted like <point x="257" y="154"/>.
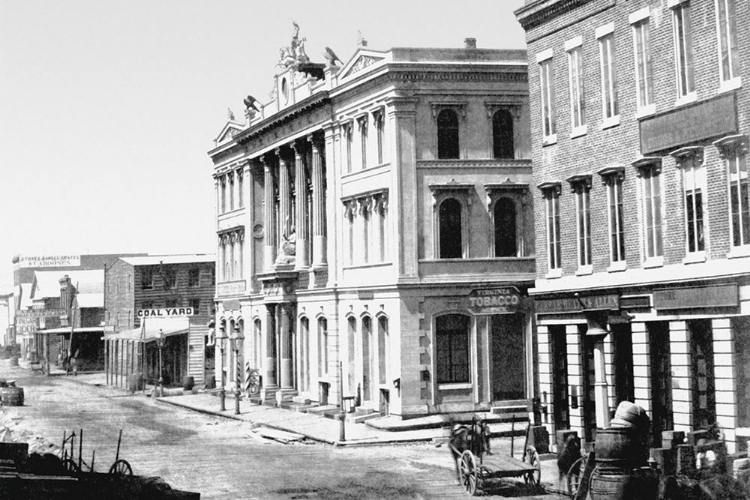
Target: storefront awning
<point x="151" y="329"/>
<point x="66" y="330"/>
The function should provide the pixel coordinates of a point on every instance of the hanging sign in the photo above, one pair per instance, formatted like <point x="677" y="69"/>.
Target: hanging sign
<point x="168" y="312"/>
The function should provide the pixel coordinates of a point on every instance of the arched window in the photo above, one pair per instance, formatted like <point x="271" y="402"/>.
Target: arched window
<point x="505" y="228"/>
<point x="304" y="328"/>
<point x="383" y="349"/>
<point x="450" y="229"/>
<point x="322" y="347"/>
<point x="452" y="342"/>
<point x="447" y="123"/>
<point x="258" y="344"/>
<point x="502" y="134"/>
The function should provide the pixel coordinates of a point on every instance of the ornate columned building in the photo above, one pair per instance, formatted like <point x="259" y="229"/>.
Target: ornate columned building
<point x="375" y="234"/>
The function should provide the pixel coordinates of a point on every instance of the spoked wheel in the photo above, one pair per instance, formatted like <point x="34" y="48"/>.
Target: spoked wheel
<point x="121" y="468"/>
<point x="574" y="476"/>
<point x="70" y="466"/>
<point x="534" y="477"/>
<point x="469" y="472"/>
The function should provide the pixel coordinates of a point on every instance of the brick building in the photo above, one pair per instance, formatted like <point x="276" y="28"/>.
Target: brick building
<point x="149" y="296"/>
<point x="639" y="126"/>
<point x="375" y="231"/>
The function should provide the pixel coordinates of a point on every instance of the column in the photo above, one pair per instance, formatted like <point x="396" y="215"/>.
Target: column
<point x="576" y="351"/>
<point x="642" y="368"/>
<point x="600" y="385"/>
<point x="725" y="381"/>
<point x="319" y="204"/>
<point x="248" y="248"/>
<point x="302" y="259"/>
<point x="269" y="216"/>
<point x="285" y="198"/>
<point x="546" y="390"/>
<point x="269" y="332"/>
<point x="286" y="347"/>
<point x="682" y="397"/>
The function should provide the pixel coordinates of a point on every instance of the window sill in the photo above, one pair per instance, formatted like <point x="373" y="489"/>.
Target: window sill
<point x="453" y="387"/>
<point x="579" y="131"/>
<point x="729" y="85"/>
<point x="686" y="99"/>
<point x="549" y="140"/>
<point x="739" y="252"/>
<point x="694" y="258"/>
<point x="653" y="262"/>
<point x="554" y="273"/>
<point x="610" y="122"/>
<point x="585" y="270"/>
<point x="646" y="111"/>
<point x="616" y="267"/>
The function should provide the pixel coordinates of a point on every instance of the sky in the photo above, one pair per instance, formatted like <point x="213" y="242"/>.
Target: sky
<point x="109" y="107"/>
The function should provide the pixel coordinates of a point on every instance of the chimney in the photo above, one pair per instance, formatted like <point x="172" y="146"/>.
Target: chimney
<point x="470" y="43"/>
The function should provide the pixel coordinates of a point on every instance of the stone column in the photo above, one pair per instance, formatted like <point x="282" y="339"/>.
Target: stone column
<point x="248" y="252"/>
<point x="269" y="332"/>
<point x="601" y="392"/>
<point x="319" y="205"/>
<point x="302" y="259"/>
<point x="680" y="362"/>
<point x="725" y="367"/>
<point x="269" y="216"/>
<point x="285" y="198"/>
<point x="285" y="339"/>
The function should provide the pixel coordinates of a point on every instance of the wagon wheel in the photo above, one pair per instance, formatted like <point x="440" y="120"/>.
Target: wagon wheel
<point x="574" y="476"/>
<point x="532" y="457"/>
<point x="70" y="466"/>
<point x="469" y="472"/>
<point x="121" y="468"/>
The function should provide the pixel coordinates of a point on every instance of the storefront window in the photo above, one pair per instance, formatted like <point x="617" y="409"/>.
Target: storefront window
<point x="452" y="340"/>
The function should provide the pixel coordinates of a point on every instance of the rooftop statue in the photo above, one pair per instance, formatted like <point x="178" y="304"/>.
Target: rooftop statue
<point x="294" y="54"/>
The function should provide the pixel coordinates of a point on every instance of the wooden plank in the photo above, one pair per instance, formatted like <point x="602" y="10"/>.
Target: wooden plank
<point x="583" y="487"/>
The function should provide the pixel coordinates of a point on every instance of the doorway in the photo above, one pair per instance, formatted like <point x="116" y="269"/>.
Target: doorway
<point x="661" y="379"/>
<point x="508" y="357"/>
<point x="560" y="405"/>
<point x="703" y="381"/>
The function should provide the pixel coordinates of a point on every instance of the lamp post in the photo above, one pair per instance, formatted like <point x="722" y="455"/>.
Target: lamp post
<point x="160" y="341"/>
<point x="236" y="340"/>
<point x="222" y="338"/>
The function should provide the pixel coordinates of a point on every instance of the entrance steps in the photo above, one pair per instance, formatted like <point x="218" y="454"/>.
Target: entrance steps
<point x="512" y="410"/>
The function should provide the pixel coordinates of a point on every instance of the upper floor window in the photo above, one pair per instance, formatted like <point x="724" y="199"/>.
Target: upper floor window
<point x="734" y="151"/>
<point x="194" y="277"/>
<point x="195" y="305"/>
<point x="147" y="304"/>
<point x="231" y="190"/>
<point x="169" y="276"/>
<point x="504" y="215"/>
<point x="222" y="194"/>
<point x="240" y="188"/>
<point x="172" y="303"/>
<point x="147" y="278"/>
<point x="607" y="58"/>
<point x="452" y="349"/>
<point x="683" y="49"/>
<point x="649" y="171"/>
<point x="363" y="140"/>
<point x="575" y="82"/>
<point x="547" y="87"/>
<point x="690" y="161"/>
<point x="347" y="132"/>
<point x="447" y="124"/>
<point x="450" y="229"/>
<point x="643" y="69"/>
<point x="729" y="54"/>
<point x="502" y="134"/>
<point x="379" y="132"/>
<point x="613" y="178"/>
<point x="581" y="186"/>
<point x="551" y="194"/>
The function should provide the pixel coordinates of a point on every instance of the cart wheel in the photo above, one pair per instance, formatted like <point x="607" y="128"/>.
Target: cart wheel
<point x="574" y="476"/>
<point x="70" y="466"/>
<point x="469" y="472"/>
<point x="121" y="468"/>
<point x="532" y="457"/>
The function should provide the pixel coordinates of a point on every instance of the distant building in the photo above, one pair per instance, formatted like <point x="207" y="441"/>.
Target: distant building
<point x="7" y="317"/>
<point x="146" y="296"/>
<point x="640" y="137"/>
<point x="375" y="232"/>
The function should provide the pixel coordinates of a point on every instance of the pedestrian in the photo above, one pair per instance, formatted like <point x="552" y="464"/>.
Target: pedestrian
<point x="74" y="362"/>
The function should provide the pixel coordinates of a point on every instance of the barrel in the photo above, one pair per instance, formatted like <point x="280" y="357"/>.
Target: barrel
<point x="135" y="382"/>
<point x="12" y="396"/>
<point x="620" y="447"/>
<point x="188" y="383"/>
<point x="623" y="484"/>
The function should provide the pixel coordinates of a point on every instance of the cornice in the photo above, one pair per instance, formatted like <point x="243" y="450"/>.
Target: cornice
<point x="535" y="13"/>
<point x="312" y="103"/>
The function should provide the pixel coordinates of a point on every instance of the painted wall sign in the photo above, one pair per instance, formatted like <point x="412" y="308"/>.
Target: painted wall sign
<point x="230" y="287"/>
<point x="688" y="124"/>
<point x="49" y="261"/>
<point x="573" y="304"/>
<point x="168" y="312"/>
<point x="697" y="297"/>
<point x="504" y="300"/>
<point x="41" y="313"/>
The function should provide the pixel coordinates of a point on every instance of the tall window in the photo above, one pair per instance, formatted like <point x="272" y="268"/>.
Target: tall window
<point x="383" y="347"/>
<point x="613" y="183"/>
<point x="363" y="140"/>
<point x="452" y="342"/>
<point x="643" y="71"/>
<point x="147" y="278"/>
<point x="504" y="216"/>
<point x="551" y="196"/>
<point x="230" y="187"/>
<point x="577" y="103"/>
<point x="683" y="48"/>
<point x="347" y="129"/>
<point x="447" y="123"/>
<point x="652" y="214"/>
<point x="546" y="82"/>
<point x="729" y="55"/>
<point x="322" y="346"/>
<point x="195" y="304"/>
<point x="734" y="151"/>
<point x="240" y="188"/>
<point x="223" y="193"/>
<point x="502" y="134"/>
<point x="582" y="191"/>
<point x="610" y="107"/>
<point x="194" y="277"/>
<point x="450" y="229"/>
<point x="693" y="184"/>
<point x="169" y="276"/>
<point x="379" y="131"/>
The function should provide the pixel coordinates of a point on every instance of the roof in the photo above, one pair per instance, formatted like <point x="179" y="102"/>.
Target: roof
<point x="151" y="327"/>
<point x="90" y="300"/>
<point x="47" y="283"/>
<point x="66" y="329"/>
<point x="155" y="260"/>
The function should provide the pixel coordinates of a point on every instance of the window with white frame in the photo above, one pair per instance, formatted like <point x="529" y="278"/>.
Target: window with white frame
<point x="363" y="140"/>
<point x="690" y="161"/>
<point x="380" y="133"/>
<point x="240" y="189"/>
<point x="607" y="57"/>
<point x="613" y="178"/>
<point x="551" y="195"/>
<point x="643" y="70"/>
<point x="734" y="152"/>
<point x="581" y="187"/>
<point x="322" y="347"/>
<point x="649" y="172"/>
<point x="346" y="132"/>
<point x="547" y="86"/>
<point x="230" y="187"/>
<point x="452" y="349"/>
<point x="683" y="49"/>
<point x="448" y="143"/>
<point x="729" y="55"/>
<point x="575" y="78"/>
<point x="222" y="194"/>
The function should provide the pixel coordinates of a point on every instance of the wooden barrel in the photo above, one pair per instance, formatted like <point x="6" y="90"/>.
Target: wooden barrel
<point x="135" y="382"/>
<point x="620" y="447"/>
<point x="621" y="484"/>
<point x="12" y="396"/>
<point x="188" y="383"/>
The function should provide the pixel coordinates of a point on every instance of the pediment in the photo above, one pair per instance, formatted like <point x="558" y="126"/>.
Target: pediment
<point x="231" y="129"/>
<point x="360" y="62"/>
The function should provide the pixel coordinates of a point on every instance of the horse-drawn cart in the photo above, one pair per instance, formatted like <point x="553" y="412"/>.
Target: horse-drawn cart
<point x="475" y="464"/>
